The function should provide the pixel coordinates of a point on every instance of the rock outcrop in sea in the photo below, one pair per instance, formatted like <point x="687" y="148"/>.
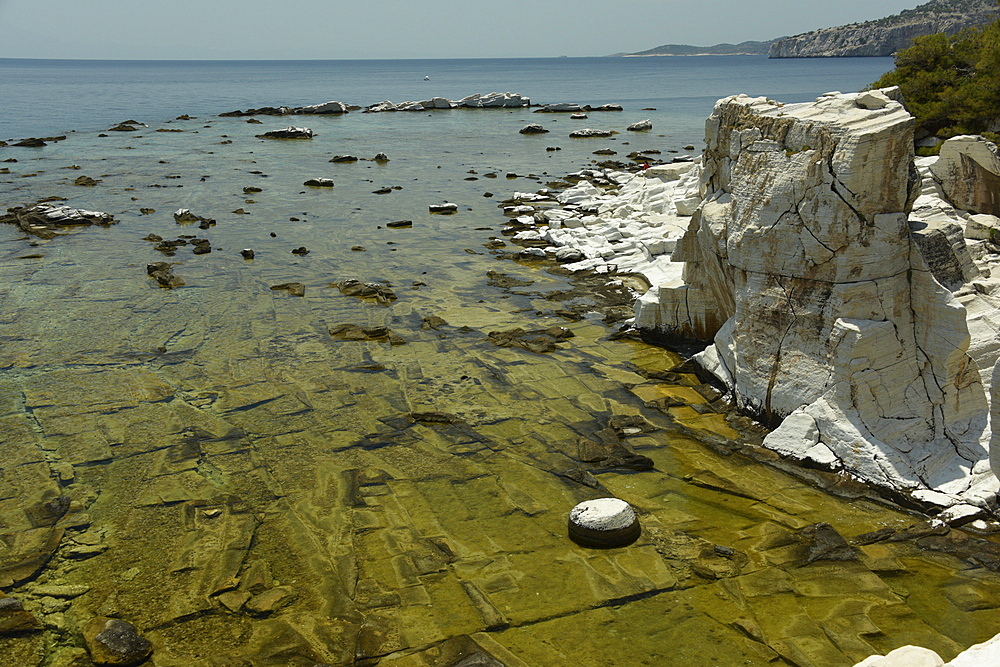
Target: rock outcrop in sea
<point x="842" y="295"/>
<point x="884" y="37"/>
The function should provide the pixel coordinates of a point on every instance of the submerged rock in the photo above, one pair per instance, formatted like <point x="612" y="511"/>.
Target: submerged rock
<point x="115" y="642"/>
<point x="289" y="132"/>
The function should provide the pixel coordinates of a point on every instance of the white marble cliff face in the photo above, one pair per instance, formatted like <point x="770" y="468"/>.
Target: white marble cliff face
<point x="834" y="316"/>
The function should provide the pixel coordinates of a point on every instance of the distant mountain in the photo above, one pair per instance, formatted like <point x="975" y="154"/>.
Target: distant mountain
<point x="741" y="49"/>
<point x="884" y="37"/>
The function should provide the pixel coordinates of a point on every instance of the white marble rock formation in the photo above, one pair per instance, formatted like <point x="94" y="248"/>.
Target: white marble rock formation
<point x="831" y="307"/>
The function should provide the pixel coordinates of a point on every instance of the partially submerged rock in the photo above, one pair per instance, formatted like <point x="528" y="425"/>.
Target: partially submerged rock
<point x="48" y="220"/>
<point x="533" y="128"/>
<point x="587" y="133"/>
<point x="381" y="293"/>
<point x="641" y="126"/>
<point x="289" y="132"/>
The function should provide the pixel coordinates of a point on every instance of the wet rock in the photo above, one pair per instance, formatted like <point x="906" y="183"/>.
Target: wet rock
<point x="333" y="107"/>
<point x="47" y="220"/>
<point x="271" y="601"/>
<point x="533" y="128"/>
<point x="608" y="107"/>
<point x="263" y="111"/>
<point x="587" y="133"/>
<point x="319" y="183"/>
<point x="185" y="216"/>
<point x="539" y="341"/>
<point x="126" y="126"/>
<point x="162" y="273"/>
<point x="825" y="543"/>
<point x="201" y="246"/>
<point x="115" y="642"/>
<point x="400" y="224"/>
<point x="234" y="600"/>
<point x="250" y="189"/>
<point x="432" y="322"/>
<point x="344" y="158"/>
<point x="358" y="333"/>
<point x="641" y="126"/>
<point x="85" y="181"/>
<point x="446" y="208"/>
<point x="380" y="293"/>
<point x="301" y="250"/>
<point x="502" y="280"/>
<point x="288" y="133"/>
<point x="14" y="619"/>
<point x="247" y="253"/>
<point x="434" y="417"/>
<point x="382" y="191"/>
<point x="31" y="142"/>
<point x="295" y="289"/>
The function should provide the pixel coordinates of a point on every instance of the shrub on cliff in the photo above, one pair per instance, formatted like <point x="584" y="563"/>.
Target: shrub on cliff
<point x="951" y="84"/>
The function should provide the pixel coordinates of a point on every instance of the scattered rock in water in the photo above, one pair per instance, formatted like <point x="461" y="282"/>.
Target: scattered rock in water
<point x="263" y="111"/>
<point x="126" y="126"/>
<point x="399" y="224"/>
<point x="115" y="642"/>
<point x="241" y="211"/>
<point x="201" y="246"/>
<point x="540" y="341"/>
<point x="254" y="121"/>
<point x="251" y="189"/>
<point x="446" y="208"/>
<point x="163" y="274"/>
<point x="352" y="287"/>
<point x="47" y="221"/>
<point x="183" y="216"/>
<point x="295" y="289"/>
<point x="358" y="248"/>
<point x="247" y="253"/>
<point x="301" y="250"/>
<point x="552" y="148"/>
<point x="353" y="332"/>
<point x="641" y="126"/>
<point x="31" y="142"/>
<point x="344" y="158"/>
<point x="382" y="191"/>
<point x="562" y="107"/>
<point x="579" y="116"/>
<point x="319" y="183"/>
<point x="147" y="211"/>
<point x="605" y="151"/>
<point x="608" y="107"/>
<point x="288" y="133"/>
<point x="533" y="128"/>
<point x="590" y="133"/>
<point x="85" y="181"/>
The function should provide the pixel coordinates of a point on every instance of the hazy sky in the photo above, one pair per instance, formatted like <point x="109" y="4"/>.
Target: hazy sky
<point x="258" y="29"/>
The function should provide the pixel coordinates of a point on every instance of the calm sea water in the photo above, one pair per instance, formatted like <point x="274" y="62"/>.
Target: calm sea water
<point x="44" y="97"/>
<point x="246" y="488"/>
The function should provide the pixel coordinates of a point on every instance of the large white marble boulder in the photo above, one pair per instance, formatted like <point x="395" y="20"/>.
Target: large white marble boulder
<point x="830" y="307"/>
<point x="969" y="171"/>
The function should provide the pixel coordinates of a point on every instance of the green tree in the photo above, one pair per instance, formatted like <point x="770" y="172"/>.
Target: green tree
<point x="951" y="83"/>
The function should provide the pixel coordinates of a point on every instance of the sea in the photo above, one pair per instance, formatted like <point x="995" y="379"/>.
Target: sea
<point x="220" y="465"/>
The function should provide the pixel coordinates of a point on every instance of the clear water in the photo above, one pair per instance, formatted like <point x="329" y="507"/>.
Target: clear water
<point x="247" y="489"/>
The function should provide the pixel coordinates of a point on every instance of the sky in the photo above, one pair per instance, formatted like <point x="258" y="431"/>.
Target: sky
<point x="341" y="29"/>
